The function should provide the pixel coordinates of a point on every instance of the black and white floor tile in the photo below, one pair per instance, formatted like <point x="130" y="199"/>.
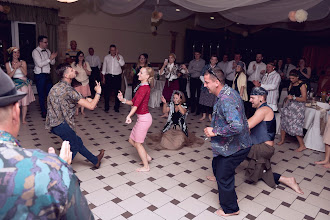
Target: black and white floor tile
<point x="176" y="187"/>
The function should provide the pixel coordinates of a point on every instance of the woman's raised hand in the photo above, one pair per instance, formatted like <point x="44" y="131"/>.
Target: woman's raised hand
<point x="163" y="99"/>
<point x="120" y="96"/>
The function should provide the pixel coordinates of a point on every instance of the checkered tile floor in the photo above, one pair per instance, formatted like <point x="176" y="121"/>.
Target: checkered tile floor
<point x="176" y="187"/>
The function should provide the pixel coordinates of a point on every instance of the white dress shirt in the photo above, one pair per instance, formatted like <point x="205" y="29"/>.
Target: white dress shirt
<point x="287" y="69"/>
<point x="230" y="72"/>
<point x="111" y="65"/>
<point x="271" y="82"/>
<point x="223" y="66"/>
<point x="41" y="60"/>
<point x="94" y="61"/>
<point x="255" y="74"/>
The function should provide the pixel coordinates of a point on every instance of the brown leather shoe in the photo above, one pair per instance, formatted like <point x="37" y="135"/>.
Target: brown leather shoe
<point x="99" y="158"/>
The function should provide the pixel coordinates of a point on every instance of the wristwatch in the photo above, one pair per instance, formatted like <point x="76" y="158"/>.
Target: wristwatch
<point x="294" y="97"/>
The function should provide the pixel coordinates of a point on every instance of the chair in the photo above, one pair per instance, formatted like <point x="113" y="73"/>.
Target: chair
<point x="128" y="90"/>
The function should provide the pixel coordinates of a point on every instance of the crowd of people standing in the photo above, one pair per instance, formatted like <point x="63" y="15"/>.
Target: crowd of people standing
<point x="227" y="91"/>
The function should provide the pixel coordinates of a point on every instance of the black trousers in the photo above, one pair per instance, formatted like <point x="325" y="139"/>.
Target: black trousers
<point x="195" y="86"/>
<point x="183" y="86"/>
<point x="95" y="75"/>
<point x="224" y="172"/>
<point x="249" y="111"/>
<point x="206" y="109"/>
<point x="284" y="84"/>
<point x="112" y="84"/>
<point x="229" y="82"/>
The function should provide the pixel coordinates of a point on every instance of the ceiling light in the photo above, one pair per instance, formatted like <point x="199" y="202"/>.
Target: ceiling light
<point x="212" y="18"/>
<point x="177" y="9"/>
<point x="67" y="1"/>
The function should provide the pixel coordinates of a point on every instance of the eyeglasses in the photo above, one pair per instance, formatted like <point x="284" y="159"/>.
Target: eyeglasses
<point x="210" y="70"/>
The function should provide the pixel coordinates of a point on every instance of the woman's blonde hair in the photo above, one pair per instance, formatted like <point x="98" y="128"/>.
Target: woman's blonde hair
<point x="151" y="73"/>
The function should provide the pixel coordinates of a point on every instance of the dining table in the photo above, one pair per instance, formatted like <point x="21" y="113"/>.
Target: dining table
<point x="315" y="120"/>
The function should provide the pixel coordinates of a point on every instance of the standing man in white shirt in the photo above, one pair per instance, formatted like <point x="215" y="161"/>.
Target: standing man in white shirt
<point x="256" y="71"/>
<point x="271" y="82"/>
<point x="231" y="69"/>
<point x="95" y="64"/>
<point x="111" y="72"/>
<point x="223" y="64"/>
<point x="43" y="58"/>
<point x="194" y="69"/>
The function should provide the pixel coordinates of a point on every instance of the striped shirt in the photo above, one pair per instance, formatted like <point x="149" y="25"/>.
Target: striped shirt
<point x="271" y="82"/>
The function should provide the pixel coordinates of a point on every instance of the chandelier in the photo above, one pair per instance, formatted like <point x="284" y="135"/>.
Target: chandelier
<point x="67" y="1"/>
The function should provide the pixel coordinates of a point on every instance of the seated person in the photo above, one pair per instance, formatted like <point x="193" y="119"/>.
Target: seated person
<point x="174" y="135"/>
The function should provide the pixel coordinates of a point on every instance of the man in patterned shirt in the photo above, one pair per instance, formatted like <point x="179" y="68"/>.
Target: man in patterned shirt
<point x="230" y="139"/>
<point x="34" y="184"/>
<point x="61" y="107"/>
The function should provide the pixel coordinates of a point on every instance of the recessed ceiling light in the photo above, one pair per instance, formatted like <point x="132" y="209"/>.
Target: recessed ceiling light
<point x="237" y="23"/>
<point x="212" y="18"/>
<point x="177" y="9"/>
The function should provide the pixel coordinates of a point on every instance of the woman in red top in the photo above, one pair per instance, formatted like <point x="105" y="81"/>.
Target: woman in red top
<point x="144" y="119"/>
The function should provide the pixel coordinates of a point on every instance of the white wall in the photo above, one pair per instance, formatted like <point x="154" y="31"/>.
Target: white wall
<point x="131" y="34"/>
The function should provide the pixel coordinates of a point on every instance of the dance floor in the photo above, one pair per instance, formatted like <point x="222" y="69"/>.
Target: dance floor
<point x="176" y="187"/>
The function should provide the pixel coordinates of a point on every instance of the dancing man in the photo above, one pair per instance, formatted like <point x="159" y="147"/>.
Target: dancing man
<point x="229" y="139"/>
<point x="144" y="119"/>
<point x="61" y="102"/>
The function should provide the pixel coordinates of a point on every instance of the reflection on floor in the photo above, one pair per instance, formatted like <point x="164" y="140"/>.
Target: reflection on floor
<point x="176" y="187"/>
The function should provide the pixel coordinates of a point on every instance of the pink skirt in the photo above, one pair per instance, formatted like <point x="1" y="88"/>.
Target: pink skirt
<point x="140" y="129"/>
<point x="84" y="90"/>
<point x="29" y="96"/>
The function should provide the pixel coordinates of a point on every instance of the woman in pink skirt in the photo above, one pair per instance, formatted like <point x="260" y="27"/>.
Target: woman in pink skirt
<point x="144" y="119"/>
<point x="17" y="70"/>
<point x="83" y="72"/>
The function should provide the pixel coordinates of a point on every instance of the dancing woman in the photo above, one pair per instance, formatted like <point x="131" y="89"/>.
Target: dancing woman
<point x="144" y="119"/>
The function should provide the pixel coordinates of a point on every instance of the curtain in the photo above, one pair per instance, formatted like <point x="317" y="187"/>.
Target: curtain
<point x="43" y="17"/>
<point x="46" y="20"/>
<point x="317" y="57"/>
<point x="248" y="12"/>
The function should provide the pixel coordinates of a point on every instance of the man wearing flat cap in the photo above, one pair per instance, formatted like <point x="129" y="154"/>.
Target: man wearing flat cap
<point x="34" y="184"/>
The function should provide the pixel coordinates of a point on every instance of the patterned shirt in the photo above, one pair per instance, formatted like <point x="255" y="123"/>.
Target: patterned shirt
<point x="61" y="105"/>
<point x="37" y="185"/>
<point x="229" y="124"/>
<point x="71" y="53"/>
<point x="271" y="82"/>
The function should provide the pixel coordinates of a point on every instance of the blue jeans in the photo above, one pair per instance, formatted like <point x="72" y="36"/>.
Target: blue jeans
<point x="44" y="84"/>
<point x="224" y="172"/>
<point x="65" y="132"/>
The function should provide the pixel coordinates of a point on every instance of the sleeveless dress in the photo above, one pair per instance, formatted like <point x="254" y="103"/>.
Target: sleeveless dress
<point x="293" y="113"/>
<point x="23" y="84"/>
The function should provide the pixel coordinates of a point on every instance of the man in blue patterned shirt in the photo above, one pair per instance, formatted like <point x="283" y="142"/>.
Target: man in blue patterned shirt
<point x="34" y="184"/>
<point x="230" y="139"/>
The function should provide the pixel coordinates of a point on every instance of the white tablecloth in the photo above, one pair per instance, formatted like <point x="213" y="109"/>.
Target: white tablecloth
<point x="313" y="139"/>
<point x="156" y="93"/>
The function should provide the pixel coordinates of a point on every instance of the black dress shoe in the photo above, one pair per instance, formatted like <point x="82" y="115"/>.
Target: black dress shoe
<point x="99" y="158"/>
<point x="116" y="110"/>
<point x="43" y="115"/>
<point x="106" y="110"/>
